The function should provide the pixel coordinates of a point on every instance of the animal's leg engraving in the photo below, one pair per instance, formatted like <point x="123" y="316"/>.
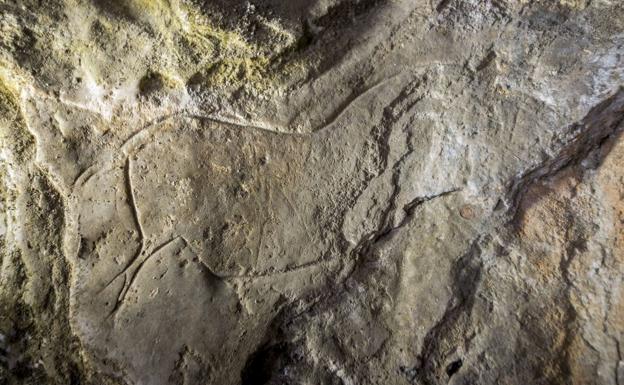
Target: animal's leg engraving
<point x="132" y="199"/>
<point x="134" y="274"/>
<point x="119" y="297"/>
<point x="137" y="222"/>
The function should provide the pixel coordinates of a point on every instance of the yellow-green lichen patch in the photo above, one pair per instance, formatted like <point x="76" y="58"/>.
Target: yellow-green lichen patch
<point x="224" y="58"/>
<point x="13" y="133"/>
<point x="574" y="4"/>
<point x="121" y="43"/>
<point x="234" y="72"/>
<point x="155" y="81"/>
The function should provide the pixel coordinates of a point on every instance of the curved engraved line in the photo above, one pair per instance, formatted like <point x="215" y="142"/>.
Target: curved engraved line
<point x="270" y="273"/>
<point x="132" y="198"/>
<point x="241" y="123"/>
<point x="128" y="283"/>
<point x="135" y="216"/>
<point x="155" y="124"/>
<point x="344" y="107"/>
<point x="261" y="274"/>
<point x="127" y="149"/>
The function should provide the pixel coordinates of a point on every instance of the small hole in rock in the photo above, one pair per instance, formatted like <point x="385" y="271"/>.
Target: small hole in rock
<point x="453" y="367"/>
<point x="151" y="82"/>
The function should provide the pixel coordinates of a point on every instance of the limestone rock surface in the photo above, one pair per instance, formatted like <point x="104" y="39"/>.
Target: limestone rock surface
<point x="343" y="192"/>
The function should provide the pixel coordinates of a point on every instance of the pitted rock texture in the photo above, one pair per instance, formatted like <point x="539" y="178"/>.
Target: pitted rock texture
<point x="312" y="192"/>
